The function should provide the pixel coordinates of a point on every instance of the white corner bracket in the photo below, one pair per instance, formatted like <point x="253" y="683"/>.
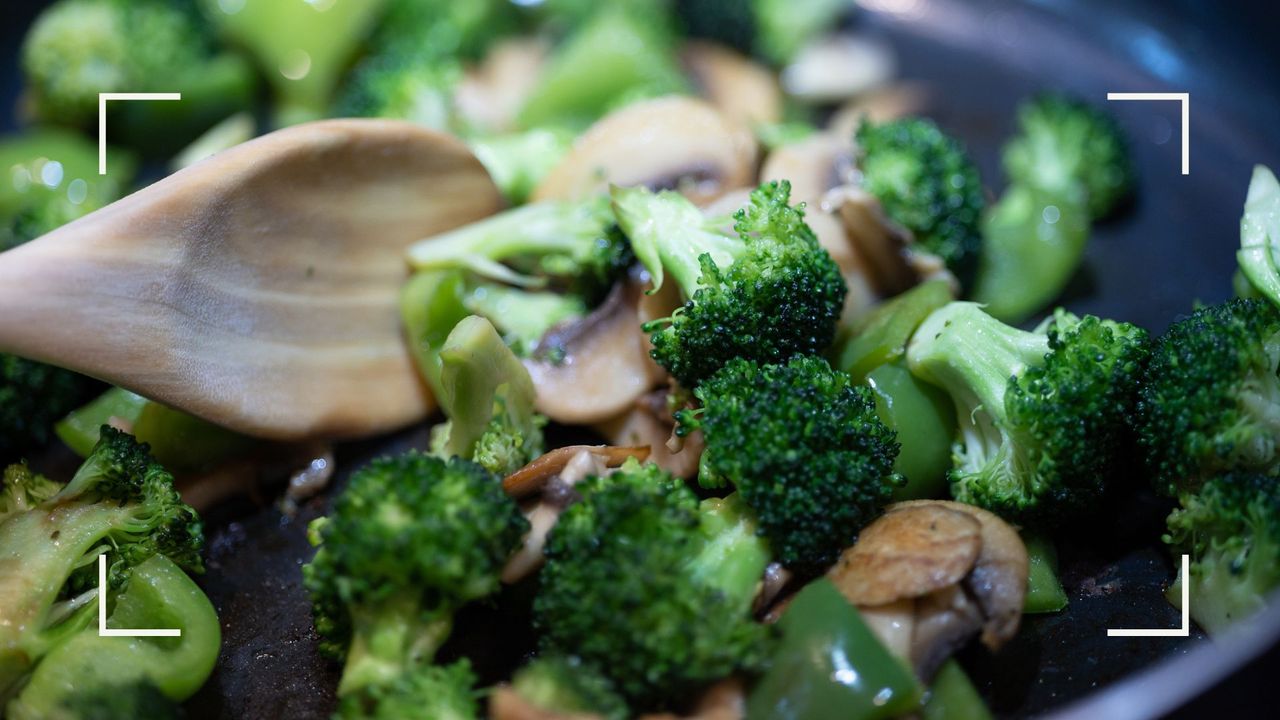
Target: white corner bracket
<point x="105" y="631"/>
<point x="1185" y="630"/>
<point x="102" y="118"/>
<point x="1185" y="99"/>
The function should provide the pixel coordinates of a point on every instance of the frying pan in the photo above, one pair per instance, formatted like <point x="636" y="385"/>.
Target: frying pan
<point x="1174" y="247"/>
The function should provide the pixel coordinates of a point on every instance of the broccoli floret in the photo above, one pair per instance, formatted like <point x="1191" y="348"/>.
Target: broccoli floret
<point x="411" y="540"/>
<point x="404" y="84"/>
<point x="571" y="246"/>
<point x="927" y="184"/>
<point x="1231" y="529"/>
<point x="22" y="490"/>
<point x="774" y="29"/>
<point x="33" y="396"/>
<point x="1210" y="398"/>
<point x="79" y="48"/>
<point x="121" y="503"/>
<point x="765" y="291"/>
<point x="803" y="446"/>
<point x="622" y="51"/>
<point x="634" y="586"/>
<point x="1063" y="141"/>
<point x="439" y="692"/>
<point x="487" y="396"/>
<point x="564" y="685"/>
<point x="1260" y="238"/>
<point x="1042" y="414"/>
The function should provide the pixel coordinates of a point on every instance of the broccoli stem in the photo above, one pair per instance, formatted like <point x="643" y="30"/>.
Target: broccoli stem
<point x="734" y="556"/>
<point x="669" y="232"/>
<point x="389" y="636"/>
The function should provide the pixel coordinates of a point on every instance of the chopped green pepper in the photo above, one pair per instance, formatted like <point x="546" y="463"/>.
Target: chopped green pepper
<point x="925" y="420"/>
<point x="1044" y="589"/>
<point x="881" y="336"/>
<point x="953" y="697"/>
<point x="829" y="666"/>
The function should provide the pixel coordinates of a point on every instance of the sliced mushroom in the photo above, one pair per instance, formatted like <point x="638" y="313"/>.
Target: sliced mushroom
<point x="670" y="142"/>
<point x="813" y="165"/>
<point x="999" y="577"/>
<point x="880" y="105"/>
<point x="945" y="621"/>
<point x="907" y="554"/>
<point x="837" y="67"/>
<point x="647" y="424"/>
<point x="938" y="572"/>
<point x="507" y="704"/>
<point x="533" y="477"/>
<point x="726" y="700"/>
<point x="741" y="88"/>
<point x="492" y="93"/>
<point x="595" y="368"/>
<point x="893" y="261"/>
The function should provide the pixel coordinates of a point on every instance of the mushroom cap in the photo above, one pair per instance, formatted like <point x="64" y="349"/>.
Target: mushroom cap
<point x="907" y="554"/>
<point x="669" y="142"/>
<point x="740" y="87"/>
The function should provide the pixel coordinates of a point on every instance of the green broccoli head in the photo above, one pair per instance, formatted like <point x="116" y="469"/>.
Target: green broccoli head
<point x="33" y="396"/>
<point x="488" y="397"/>
<point x="927" y="184"/>
<point x="21" y="490"/>
<point x="1231" y="529"/>
<point x="803" y="446"/>
<point x="1042" y="414"/>
<point x="565" y="685"/>
<point x="139" y="699"/>
<point x="120" y="503"/>
<point x="404" y="84"/>
<point x="765" y="291"/>
<point x="1064" y="141"/>
<point x="440" y="692"/>
<point x="572" y="247"/>
<point x="1210" y="396"/>
<point x="411" y="539"/>
<point x="628" y="589"/>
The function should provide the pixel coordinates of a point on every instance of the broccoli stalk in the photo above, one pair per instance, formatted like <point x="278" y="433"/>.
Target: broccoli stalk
<point x="764" y="291"/>
<point x="518" y="161"/>
<point x="1231" y="529"/>
<point x="120" y="502"/>
<point x="636" y="587"/>
<point x="487" y="396"/>
<point x="411" y="540"/>
<point x="1210" y="398"/>
<point x="804" y="448"/>
<point x="159" y="594"/>
<point x="1260" y="235"/>
<point x="927" y="184"/>
<point x="1042" y="413"/>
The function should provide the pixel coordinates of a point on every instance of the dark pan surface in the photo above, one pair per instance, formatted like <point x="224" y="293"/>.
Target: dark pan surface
<point x="1174" y="247"/>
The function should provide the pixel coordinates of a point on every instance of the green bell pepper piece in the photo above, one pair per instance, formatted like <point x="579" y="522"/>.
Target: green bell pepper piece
<point x="1044" y="589"/>
<point x="881" y="336"/>
<point x="953" y="697"/>
<point x="925" y="420"/>
<point x="829" y="666"/>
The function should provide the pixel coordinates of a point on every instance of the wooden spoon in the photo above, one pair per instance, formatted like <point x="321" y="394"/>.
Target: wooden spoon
<point x="257" y="289"/>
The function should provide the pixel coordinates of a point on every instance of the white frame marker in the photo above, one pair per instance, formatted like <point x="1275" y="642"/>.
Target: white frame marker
<point x="102" y="118"/>
<point x="1185" y="630"/>
<point x="105" y="631"/>
<point x="1185" y="99"/>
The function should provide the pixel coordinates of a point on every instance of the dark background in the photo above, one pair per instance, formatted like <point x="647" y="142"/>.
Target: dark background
<point x="1176" y="245"/>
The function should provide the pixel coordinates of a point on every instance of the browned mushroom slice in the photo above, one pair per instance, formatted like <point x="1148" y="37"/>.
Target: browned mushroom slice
<point x="670" y="142"/>
<point x="813" y="165"/>
<point x="882" y="244"/>
<point x="594" y="368"/>
<point x="999" y="578"/>
<point x="741" y="88"/>
<point x="639" y="426"/>
<point x="945" y="621"/>
<point x="532" y="477"/>
<point x="492" y="93"/>
<point x="726" y="700"/>
<point x="908" y="554"/>
<point x="879" y="105"/>
<point x="507" y="704"/>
